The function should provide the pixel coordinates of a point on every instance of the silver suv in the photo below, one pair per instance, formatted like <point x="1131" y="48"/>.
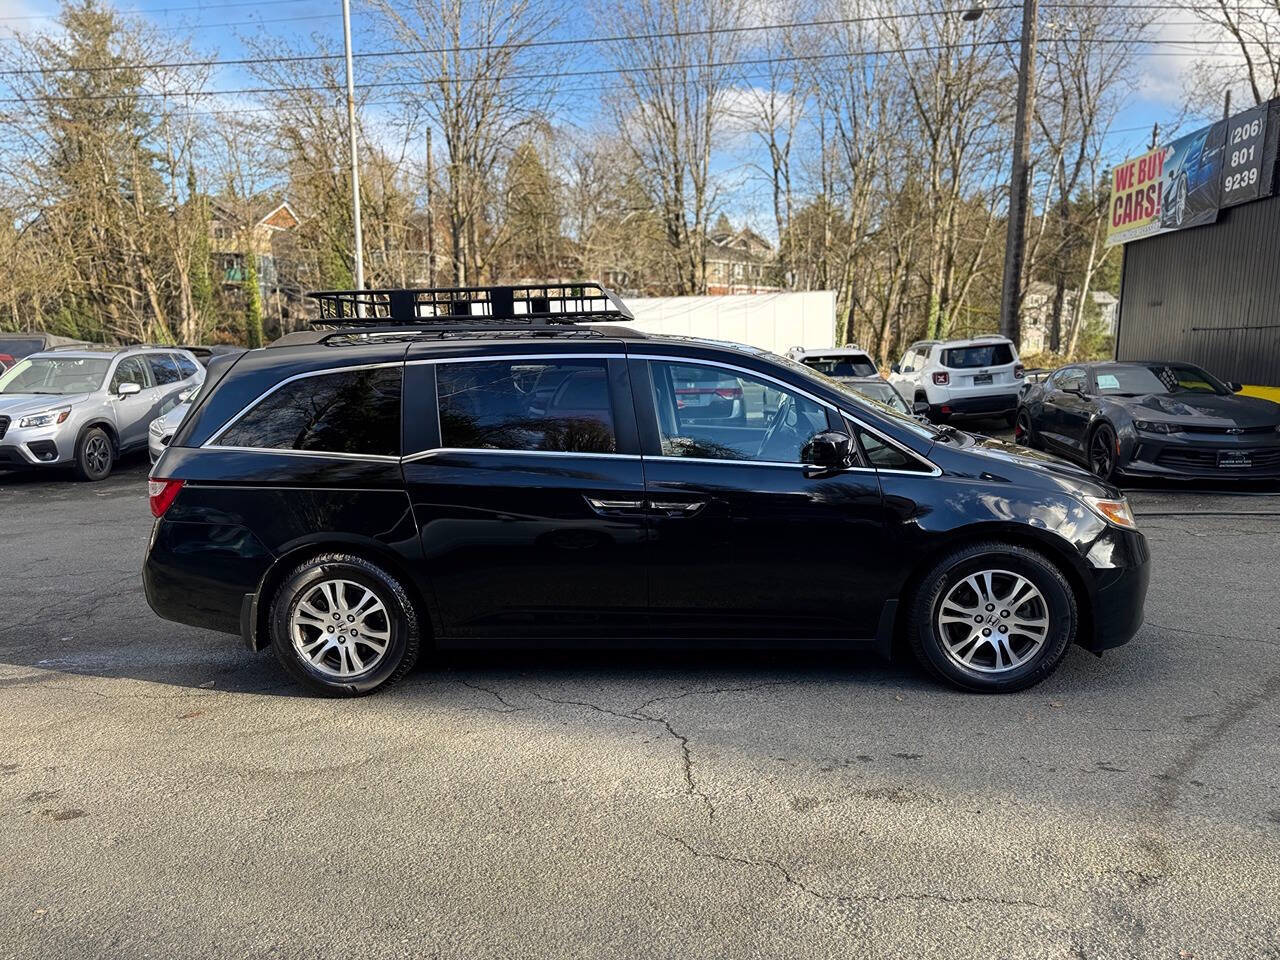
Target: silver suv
<point x="86" y="407"/>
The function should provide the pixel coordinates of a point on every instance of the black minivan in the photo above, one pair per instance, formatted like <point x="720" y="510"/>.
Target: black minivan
<point x="502" y="467"/>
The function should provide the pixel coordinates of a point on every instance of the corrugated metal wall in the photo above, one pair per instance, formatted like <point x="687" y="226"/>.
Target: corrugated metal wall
<point x="1210" y="295"/>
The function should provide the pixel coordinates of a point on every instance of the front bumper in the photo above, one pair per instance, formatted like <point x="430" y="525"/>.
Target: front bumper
<point x="1182" y="457"/>
<point x="1119" y="590"/>
<point x="36" y="446"/>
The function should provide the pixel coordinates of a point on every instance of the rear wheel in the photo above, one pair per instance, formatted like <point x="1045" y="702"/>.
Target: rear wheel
<point x="1024" y="431"/>
<point x="94" y="455"/>
<point x="993" y="618"/>
<point x="343" y="626"/>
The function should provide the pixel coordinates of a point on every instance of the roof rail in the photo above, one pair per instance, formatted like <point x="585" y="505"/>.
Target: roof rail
<point x="542" y="304"/>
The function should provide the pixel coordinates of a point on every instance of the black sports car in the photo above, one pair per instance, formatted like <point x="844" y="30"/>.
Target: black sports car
<point x="1151" y="419"/>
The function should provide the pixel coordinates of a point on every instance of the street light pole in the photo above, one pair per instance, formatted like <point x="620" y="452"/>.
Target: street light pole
<point x="1015" y="238"/>
<point x="355" y="163"/>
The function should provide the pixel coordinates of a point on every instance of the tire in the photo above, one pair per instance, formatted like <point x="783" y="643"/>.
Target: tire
<point x="1024" y="430"/>
<point x="1023" y="661"/>
<point x="932" y="417"/>
<point x="1100" y="452"/>
<point x="299" y="615"/>
<point x="1010" y="419"/>
<point x="95" y="455"/>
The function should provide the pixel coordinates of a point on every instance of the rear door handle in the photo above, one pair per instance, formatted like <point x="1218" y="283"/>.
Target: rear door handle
<point x="600" y="505"/>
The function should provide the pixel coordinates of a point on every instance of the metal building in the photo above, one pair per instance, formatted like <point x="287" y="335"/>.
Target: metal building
<point x="1209" y="295"/>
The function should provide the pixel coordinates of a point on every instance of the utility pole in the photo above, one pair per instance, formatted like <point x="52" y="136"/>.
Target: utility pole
<point x="355" y="162"/>
<point x="431" y="218"/>
<point x="1015" y="238"/>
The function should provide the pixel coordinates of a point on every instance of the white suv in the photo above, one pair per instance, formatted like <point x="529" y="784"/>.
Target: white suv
<point x="961" y="378"/>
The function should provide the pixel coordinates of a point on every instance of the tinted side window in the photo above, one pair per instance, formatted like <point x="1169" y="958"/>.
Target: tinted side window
<point x="186" y="367"/>
<point x="887" y="457"/>
<point x="129" y="370"/>
<point x="560" y="406"/>
<point x="357" y="411"/>
<point x="163" y="368"/>
<point x="1072" y="378"/>
<point x="715" y="413"/>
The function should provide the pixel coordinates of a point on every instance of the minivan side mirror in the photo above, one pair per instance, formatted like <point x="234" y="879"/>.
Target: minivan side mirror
<point x="830" y="451"/>
<point x="894" y="368"/>
<point x="920" y="408"/>
<point x="1234" y="386"/>
<point x="128" y="389"/>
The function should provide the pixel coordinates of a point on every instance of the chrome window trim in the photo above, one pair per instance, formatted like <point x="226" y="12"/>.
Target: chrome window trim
<point x="213" y="440"/>
<point x="436" y="451"/>
<point x="289" y="452"/>
<point x="757" y="463"/>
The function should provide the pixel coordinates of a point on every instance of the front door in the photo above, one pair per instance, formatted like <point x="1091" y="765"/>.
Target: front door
<point x="134" y="411"/>
<point x="1067" y="411"/>
<point x="528" y="491"/>
<point x="747" y="543"/>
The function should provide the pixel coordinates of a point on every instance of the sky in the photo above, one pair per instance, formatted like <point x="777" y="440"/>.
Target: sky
<point x="218" y="28"/>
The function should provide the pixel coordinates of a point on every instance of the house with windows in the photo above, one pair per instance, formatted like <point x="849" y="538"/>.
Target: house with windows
<point x="266" y="221"/>
<point x="740" y="261"/>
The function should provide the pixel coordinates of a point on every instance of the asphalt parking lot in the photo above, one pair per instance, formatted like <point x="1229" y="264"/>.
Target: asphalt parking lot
<point x="163" y="793"/>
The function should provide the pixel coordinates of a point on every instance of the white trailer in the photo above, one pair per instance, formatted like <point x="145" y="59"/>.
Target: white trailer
<point x="771" y="321"/>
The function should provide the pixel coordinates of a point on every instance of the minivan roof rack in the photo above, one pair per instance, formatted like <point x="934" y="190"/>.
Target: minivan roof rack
<point x="529" y="305"/>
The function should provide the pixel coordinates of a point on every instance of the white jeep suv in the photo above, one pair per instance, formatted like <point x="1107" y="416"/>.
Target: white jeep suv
<point x="961" y="378"/>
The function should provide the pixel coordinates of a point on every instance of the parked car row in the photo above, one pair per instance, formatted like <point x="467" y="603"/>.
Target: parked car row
<point x="84" y="406"/>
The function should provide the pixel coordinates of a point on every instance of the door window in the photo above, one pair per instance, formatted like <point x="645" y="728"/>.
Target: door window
<point x="1070" y="378"/>
<point x="186" y="367"/>
<point x="354" y="411"/>
<point x="163" y="368"/>
<point x="716" y="413"/>
<point x="129" y="370"/>
<point x="538" y="404"/>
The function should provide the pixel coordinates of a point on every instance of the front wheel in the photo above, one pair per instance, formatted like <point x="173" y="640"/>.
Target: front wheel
<point x="993" y="618"/>
<point x="343" y="626"/>
<point x="1024" y="431"/>
<point x="1103" y="452"/>
<point x="94" y="455"/>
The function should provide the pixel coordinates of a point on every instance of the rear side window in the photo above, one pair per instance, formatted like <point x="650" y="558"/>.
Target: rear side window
<point x="186" y="367"/>
<point x="354" y="411"/>
<point x="982" y="355"/>
<point x="559" y="406"/>
<point x="163" y="368"/>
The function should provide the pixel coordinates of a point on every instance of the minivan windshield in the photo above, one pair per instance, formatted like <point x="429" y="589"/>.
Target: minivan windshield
<point x="842" y="366"/>
<point x="58" y="376"/>
<point x="1137" y="380"/>
<point x="977" y="355"/>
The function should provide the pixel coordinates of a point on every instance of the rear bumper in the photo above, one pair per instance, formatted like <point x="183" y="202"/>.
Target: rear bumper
<point x="989" y="405"/>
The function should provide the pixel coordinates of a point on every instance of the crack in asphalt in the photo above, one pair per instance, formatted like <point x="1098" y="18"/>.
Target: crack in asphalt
<point x="510" y="707"/>
<point x="1215" y="636"/>
<point x="792" y="880"/>
<point x="692" y="788"/>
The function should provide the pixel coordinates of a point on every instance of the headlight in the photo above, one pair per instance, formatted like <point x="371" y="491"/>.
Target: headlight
<point x="1151" y="426"/>
<point x="46" y="419"/>
<point x="1115" y="512"/>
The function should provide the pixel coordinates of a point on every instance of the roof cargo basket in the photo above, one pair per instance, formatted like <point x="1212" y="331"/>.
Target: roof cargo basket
<point x="543" y="304"/>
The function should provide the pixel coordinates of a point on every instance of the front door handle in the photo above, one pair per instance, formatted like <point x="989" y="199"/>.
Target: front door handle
<point x="683" y="508"/>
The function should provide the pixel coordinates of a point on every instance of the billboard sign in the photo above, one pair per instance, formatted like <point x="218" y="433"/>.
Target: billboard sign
<point x="1192" y="165"/>
<point x="1135" y="197"/>
<point x="1242" y="167"/>
<point x="1186" y="182"/>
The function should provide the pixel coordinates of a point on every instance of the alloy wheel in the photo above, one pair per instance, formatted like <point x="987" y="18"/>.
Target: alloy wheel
<point x="340" y="628"/>
<point x="1102" y="453"/>
<point x="97" y="455"/>
<point x="993" y="621"/>
<point x="1180" y="203"/>
<point x="1022" y="428"/>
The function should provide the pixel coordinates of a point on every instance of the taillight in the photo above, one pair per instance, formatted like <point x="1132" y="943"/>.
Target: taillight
<point x="942" y="378"/>
<point x="162" y="491"/>
<point x="1018" y="371"/>
<point x="729" y="393"/>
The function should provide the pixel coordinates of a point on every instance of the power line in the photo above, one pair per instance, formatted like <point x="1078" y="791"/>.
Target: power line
<point x="615" y="39"/>
<point x="520" y="45"/>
